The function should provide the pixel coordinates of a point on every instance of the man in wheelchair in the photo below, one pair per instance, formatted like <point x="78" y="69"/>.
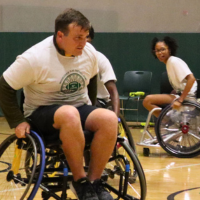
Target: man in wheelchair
<point x="56" y="75"/>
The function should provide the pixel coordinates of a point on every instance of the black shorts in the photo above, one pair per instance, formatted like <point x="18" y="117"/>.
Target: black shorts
<point x="43" y="119"/>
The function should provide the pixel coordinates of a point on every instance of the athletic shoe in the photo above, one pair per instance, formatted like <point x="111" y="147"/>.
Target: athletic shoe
<point x="83" y="189"/>
<point x="101" y="192"/>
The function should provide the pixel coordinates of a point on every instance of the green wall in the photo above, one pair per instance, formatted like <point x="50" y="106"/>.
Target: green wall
<point x="126" y="51"/>
<point x="132" y="51"/>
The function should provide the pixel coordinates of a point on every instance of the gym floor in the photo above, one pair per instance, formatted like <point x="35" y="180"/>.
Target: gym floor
<point x="168" y="177"/>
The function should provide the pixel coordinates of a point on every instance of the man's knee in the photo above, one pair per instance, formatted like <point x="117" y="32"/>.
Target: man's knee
<point x="112" y="126"/>
<point x="66" y="115"/>
<point x="102" y="119"/>
<point x="107" y="117"/>
<point x="110" y="116"/>
<point x="108" y="122"/>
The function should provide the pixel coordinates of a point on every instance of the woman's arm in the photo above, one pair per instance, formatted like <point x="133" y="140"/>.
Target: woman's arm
<point x="190" y="81"/>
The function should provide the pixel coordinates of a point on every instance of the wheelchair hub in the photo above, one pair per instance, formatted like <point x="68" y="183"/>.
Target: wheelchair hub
<point x="185" y="129"/>
<point x="17" y="178"/>
<point x="10" y="176"/>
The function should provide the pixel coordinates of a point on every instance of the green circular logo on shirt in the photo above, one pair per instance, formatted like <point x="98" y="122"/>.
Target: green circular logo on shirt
<point x="72" y="83"/>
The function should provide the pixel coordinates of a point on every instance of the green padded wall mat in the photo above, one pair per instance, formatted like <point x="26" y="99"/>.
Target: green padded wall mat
<point x="126" y="51"/>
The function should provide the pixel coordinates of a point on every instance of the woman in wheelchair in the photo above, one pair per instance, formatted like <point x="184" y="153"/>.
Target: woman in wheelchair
<point x="177" y="125"/>
<point x="180" y="76"/>
<point x="55" y="74"/>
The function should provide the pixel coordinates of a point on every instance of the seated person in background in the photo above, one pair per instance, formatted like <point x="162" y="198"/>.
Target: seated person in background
<point x="107" y="94"/>
<point x="180" y="76"/>
<point x="55" y="75"/>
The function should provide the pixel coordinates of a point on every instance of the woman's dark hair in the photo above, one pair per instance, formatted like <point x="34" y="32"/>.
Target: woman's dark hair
<point x="91" y="33"/>
<point x="170" y="42"/>
<point x="71" y="16"/>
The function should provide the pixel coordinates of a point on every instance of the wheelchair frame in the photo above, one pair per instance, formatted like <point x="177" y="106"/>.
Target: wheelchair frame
<point x="184" y="131"/>
<point x="147" y="140"/>
<point x="51" y="172"/>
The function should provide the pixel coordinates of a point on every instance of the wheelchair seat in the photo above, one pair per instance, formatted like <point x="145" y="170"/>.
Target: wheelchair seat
<point x="88" y="139"/>
<point x="54" y="142"/>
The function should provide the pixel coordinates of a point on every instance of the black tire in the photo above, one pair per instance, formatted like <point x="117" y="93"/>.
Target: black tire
<point x="178" y="132"/>
<point x="127" y="132"/>
<point x="18" y="181"/>
<point x="136" y="190"/>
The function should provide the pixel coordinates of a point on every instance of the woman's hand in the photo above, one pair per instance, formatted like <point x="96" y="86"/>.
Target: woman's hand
<point x="177" y="104"/>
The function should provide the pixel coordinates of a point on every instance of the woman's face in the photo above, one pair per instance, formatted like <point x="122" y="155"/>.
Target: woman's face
<point x="162" y="51"/>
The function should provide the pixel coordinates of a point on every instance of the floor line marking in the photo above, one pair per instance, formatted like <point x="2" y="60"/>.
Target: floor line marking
<point x="171" y="168"/>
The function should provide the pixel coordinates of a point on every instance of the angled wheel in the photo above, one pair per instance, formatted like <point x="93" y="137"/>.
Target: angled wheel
<point x="178" y="131"/>
<point x="119" y="169"/>
<point x="18" y="180"/>
<point x="125" y="132"/>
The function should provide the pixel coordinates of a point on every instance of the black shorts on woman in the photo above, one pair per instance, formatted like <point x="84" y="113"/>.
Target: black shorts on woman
<point x="43" y="119"/>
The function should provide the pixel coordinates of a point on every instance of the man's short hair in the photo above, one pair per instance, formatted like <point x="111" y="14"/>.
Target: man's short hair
<point x="71" y="16"/>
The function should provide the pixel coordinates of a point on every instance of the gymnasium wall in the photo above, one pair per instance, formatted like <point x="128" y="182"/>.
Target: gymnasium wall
<point x="124" y="30"/>
<point x="105" y="15"/>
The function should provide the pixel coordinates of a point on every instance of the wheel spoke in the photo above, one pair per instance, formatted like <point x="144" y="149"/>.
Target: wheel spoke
<point x="178" y="131"/>
<point x="168" y="138"/>
<point x="194" y="136"/>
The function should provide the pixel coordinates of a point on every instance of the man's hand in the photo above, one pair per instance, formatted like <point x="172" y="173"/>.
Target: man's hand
<point x="21" y="129"/>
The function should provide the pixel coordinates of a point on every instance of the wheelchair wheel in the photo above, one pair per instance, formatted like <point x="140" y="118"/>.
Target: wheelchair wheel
<point x="178" y="131"/>
<point x="118" y="175"/>
<point x="18" y="180"/>
<point x="125" y="132"/>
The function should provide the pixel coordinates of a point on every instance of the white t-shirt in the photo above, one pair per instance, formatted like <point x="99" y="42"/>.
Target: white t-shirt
<point x="105" y="74"/>
<point x="50" y="78"/>
<point x="177" y="70"/>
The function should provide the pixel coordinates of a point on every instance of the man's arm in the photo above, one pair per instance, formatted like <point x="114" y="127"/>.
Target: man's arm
<point x="92" y="90"/>
<point x="114" y="96"/>
<point x="9" y="105"/>
<point x="11" y="109"/>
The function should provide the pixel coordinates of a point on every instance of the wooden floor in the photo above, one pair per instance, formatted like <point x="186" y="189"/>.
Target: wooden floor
<point x="168" y="178"/>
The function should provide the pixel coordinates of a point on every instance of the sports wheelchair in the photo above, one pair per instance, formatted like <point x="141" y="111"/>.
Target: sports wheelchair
<point x="177" y="131"/>
<point x="124" y="132"/>
<point x="32" y="165"/>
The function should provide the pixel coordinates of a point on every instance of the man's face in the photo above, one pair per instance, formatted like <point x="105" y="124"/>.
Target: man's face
<point x="75" y="41"/>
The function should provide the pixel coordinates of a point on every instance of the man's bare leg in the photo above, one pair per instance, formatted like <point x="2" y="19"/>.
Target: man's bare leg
<point x="104" y="123"/>
<point x="67" y="119"/>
